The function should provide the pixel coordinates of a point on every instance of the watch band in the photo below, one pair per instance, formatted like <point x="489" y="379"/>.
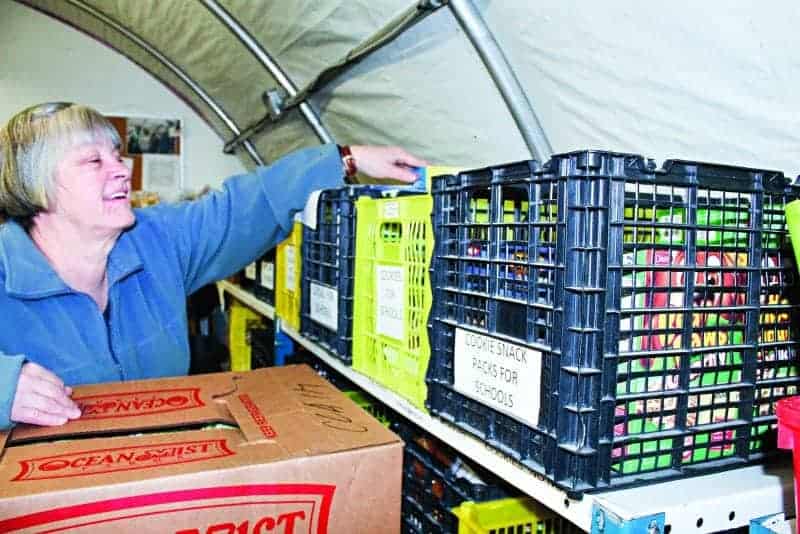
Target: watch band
<point x="349" y="164"/>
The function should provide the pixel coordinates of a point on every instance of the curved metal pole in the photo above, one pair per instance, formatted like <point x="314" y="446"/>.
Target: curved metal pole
<point x="205" y="97"/>
<point x="271" y="65"/>
<point x="503" y="75"/>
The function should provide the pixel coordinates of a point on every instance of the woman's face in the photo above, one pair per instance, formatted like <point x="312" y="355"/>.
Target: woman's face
<point x="93" y="189"/>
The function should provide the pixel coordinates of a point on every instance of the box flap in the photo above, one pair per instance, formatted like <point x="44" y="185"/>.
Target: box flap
<point x="140" y="405"/>
<point x="300" y="411"/>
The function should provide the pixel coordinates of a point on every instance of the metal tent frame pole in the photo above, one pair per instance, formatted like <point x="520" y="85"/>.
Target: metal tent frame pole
<point x="277" y="104"/>
<point x="505" y="79"/>
<point x="204" y="96"/>
<point x="271" y="65"/>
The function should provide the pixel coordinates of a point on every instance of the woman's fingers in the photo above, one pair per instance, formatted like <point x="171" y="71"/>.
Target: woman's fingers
<point x="386" y="162"/>
<point x="41" y="398"/>
<point x="401" y="173"/>
<point x="34" y="416"/>
<point x="57" y="394"/>
<point x="35" y="370"/>
<point x="406" y="158"/>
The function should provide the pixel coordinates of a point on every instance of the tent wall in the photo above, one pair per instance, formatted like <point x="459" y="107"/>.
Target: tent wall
<point x="714" y="81"/>
<point x="708" y="81"/>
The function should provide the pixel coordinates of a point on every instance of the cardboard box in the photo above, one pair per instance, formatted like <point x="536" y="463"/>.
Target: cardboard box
<point x="300" y="457"/>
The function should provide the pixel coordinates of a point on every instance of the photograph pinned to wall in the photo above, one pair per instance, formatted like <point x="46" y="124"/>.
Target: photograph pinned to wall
<point x="152" y="148"/>
<point x="153" y="136"/>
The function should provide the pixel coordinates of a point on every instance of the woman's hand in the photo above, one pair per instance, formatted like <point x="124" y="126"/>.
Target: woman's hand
<point x="42" y="398"/>
<point x="386" y="162"/>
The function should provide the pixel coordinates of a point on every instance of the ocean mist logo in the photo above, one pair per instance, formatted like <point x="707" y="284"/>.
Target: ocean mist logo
<point x="138" y="403"/>
<point x="101" y="461"/>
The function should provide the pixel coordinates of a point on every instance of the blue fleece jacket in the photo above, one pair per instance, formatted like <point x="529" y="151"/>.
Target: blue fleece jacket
<point x="171" y="251"/>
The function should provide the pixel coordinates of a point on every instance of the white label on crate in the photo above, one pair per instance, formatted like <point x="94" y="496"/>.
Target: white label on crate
<point x="250" y="271"/>
<point x="499" y="374"/>
<point x="291" y="281"/>
<point x="324" y="304"/>
<point x="390" y="301"/>
<point x="391" y="210"/>
<point x="268" y="274"/>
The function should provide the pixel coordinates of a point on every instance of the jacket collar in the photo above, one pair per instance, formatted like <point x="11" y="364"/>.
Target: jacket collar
<point x="29" y="275"/>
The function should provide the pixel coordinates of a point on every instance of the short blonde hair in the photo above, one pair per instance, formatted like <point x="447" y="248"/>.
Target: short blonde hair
<point x="32" y="144"/>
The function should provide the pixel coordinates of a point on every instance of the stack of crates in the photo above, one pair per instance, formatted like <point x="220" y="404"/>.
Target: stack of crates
<point x="443" y="494"/>
<point x="264" y="288"/>
<point x="607" y="323"/>
<point x="370" y="405"/>
<point x="329" y="270"/>
<point x="365" y="401"/>
<point x="241" y="322"/>
<point x="248" y="277"/>
<point x="288" y="268"/>
<point x="302" y="357"/>
<point x="394" y="245"/>
<point x="262" y="346"/>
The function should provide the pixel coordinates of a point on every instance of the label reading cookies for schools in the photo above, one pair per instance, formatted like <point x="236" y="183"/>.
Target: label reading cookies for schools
<point x="499" y="374"/>
<point x="390" y="291"/>
<point x="268" y="274"/>
<point x="250" y="271"/>
<point x="291" y="281"/>
<point x="324" y="304"/>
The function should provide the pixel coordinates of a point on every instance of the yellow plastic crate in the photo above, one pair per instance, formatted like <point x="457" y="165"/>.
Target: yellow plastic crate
<point x="519" y="514"/>
<point x="241" y="320"/>
<point x="392" y="296"/>
<point x="288" y="270"/>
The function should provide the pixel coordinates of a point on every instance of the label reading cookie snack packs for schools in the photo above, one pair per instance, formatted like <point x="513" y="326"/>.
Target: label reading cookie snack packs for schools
<point x="501" y="375"/>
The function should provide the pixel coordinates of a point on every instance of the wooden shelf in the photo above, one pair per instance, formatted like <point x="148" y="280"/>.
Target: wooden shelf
<point x="245" y="297"/>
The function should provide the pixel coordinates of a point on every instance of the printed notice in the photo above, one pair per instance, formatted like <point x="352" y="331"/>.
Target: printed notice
<point x="324" y="304"/>
<point x="291" y="281"/>
<point x="499" y="374"/>
<point x="391" y="210"/>
<point x="390" y="292"/>
<point x="268" y="274"/>
<point x="250" y="271"/>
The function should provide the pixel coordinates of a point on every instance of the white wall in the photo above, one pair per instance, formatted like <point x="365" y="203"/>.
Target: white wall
<point x="42" y="59"/>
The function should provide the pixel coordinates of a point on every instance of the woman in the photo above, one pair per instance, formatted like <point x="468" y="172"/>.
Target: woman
<point x="95" y="292"/>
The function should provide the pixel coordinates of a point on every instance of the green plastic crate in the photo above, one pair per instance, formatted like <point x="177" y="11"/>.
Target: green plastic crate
<point x="394" y="244"/>
<point x="519" y="514"/>
<point x="369" y="405"/>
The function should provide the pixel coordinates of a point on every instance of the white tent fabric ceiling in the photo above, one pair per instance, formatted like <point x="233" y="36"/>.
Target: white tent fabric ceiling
<point x="711" y="81"/>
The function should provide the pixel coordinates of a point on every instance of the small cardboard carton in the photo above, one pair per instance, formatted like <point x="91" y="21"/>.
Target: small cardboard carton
<point x="276" y="450"/>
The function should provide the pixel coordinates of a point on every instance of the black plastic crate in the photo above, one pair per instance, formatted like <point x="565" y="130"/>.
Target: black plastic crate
<point x="328" y="270"/>
<point x="616" y="323"/>
<point x="262" y="347"/>
<point x="248" y="277"/>
<point x="435" y="480"/>
<point x="339" y="381"/>
<point x="264" y="288"/>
